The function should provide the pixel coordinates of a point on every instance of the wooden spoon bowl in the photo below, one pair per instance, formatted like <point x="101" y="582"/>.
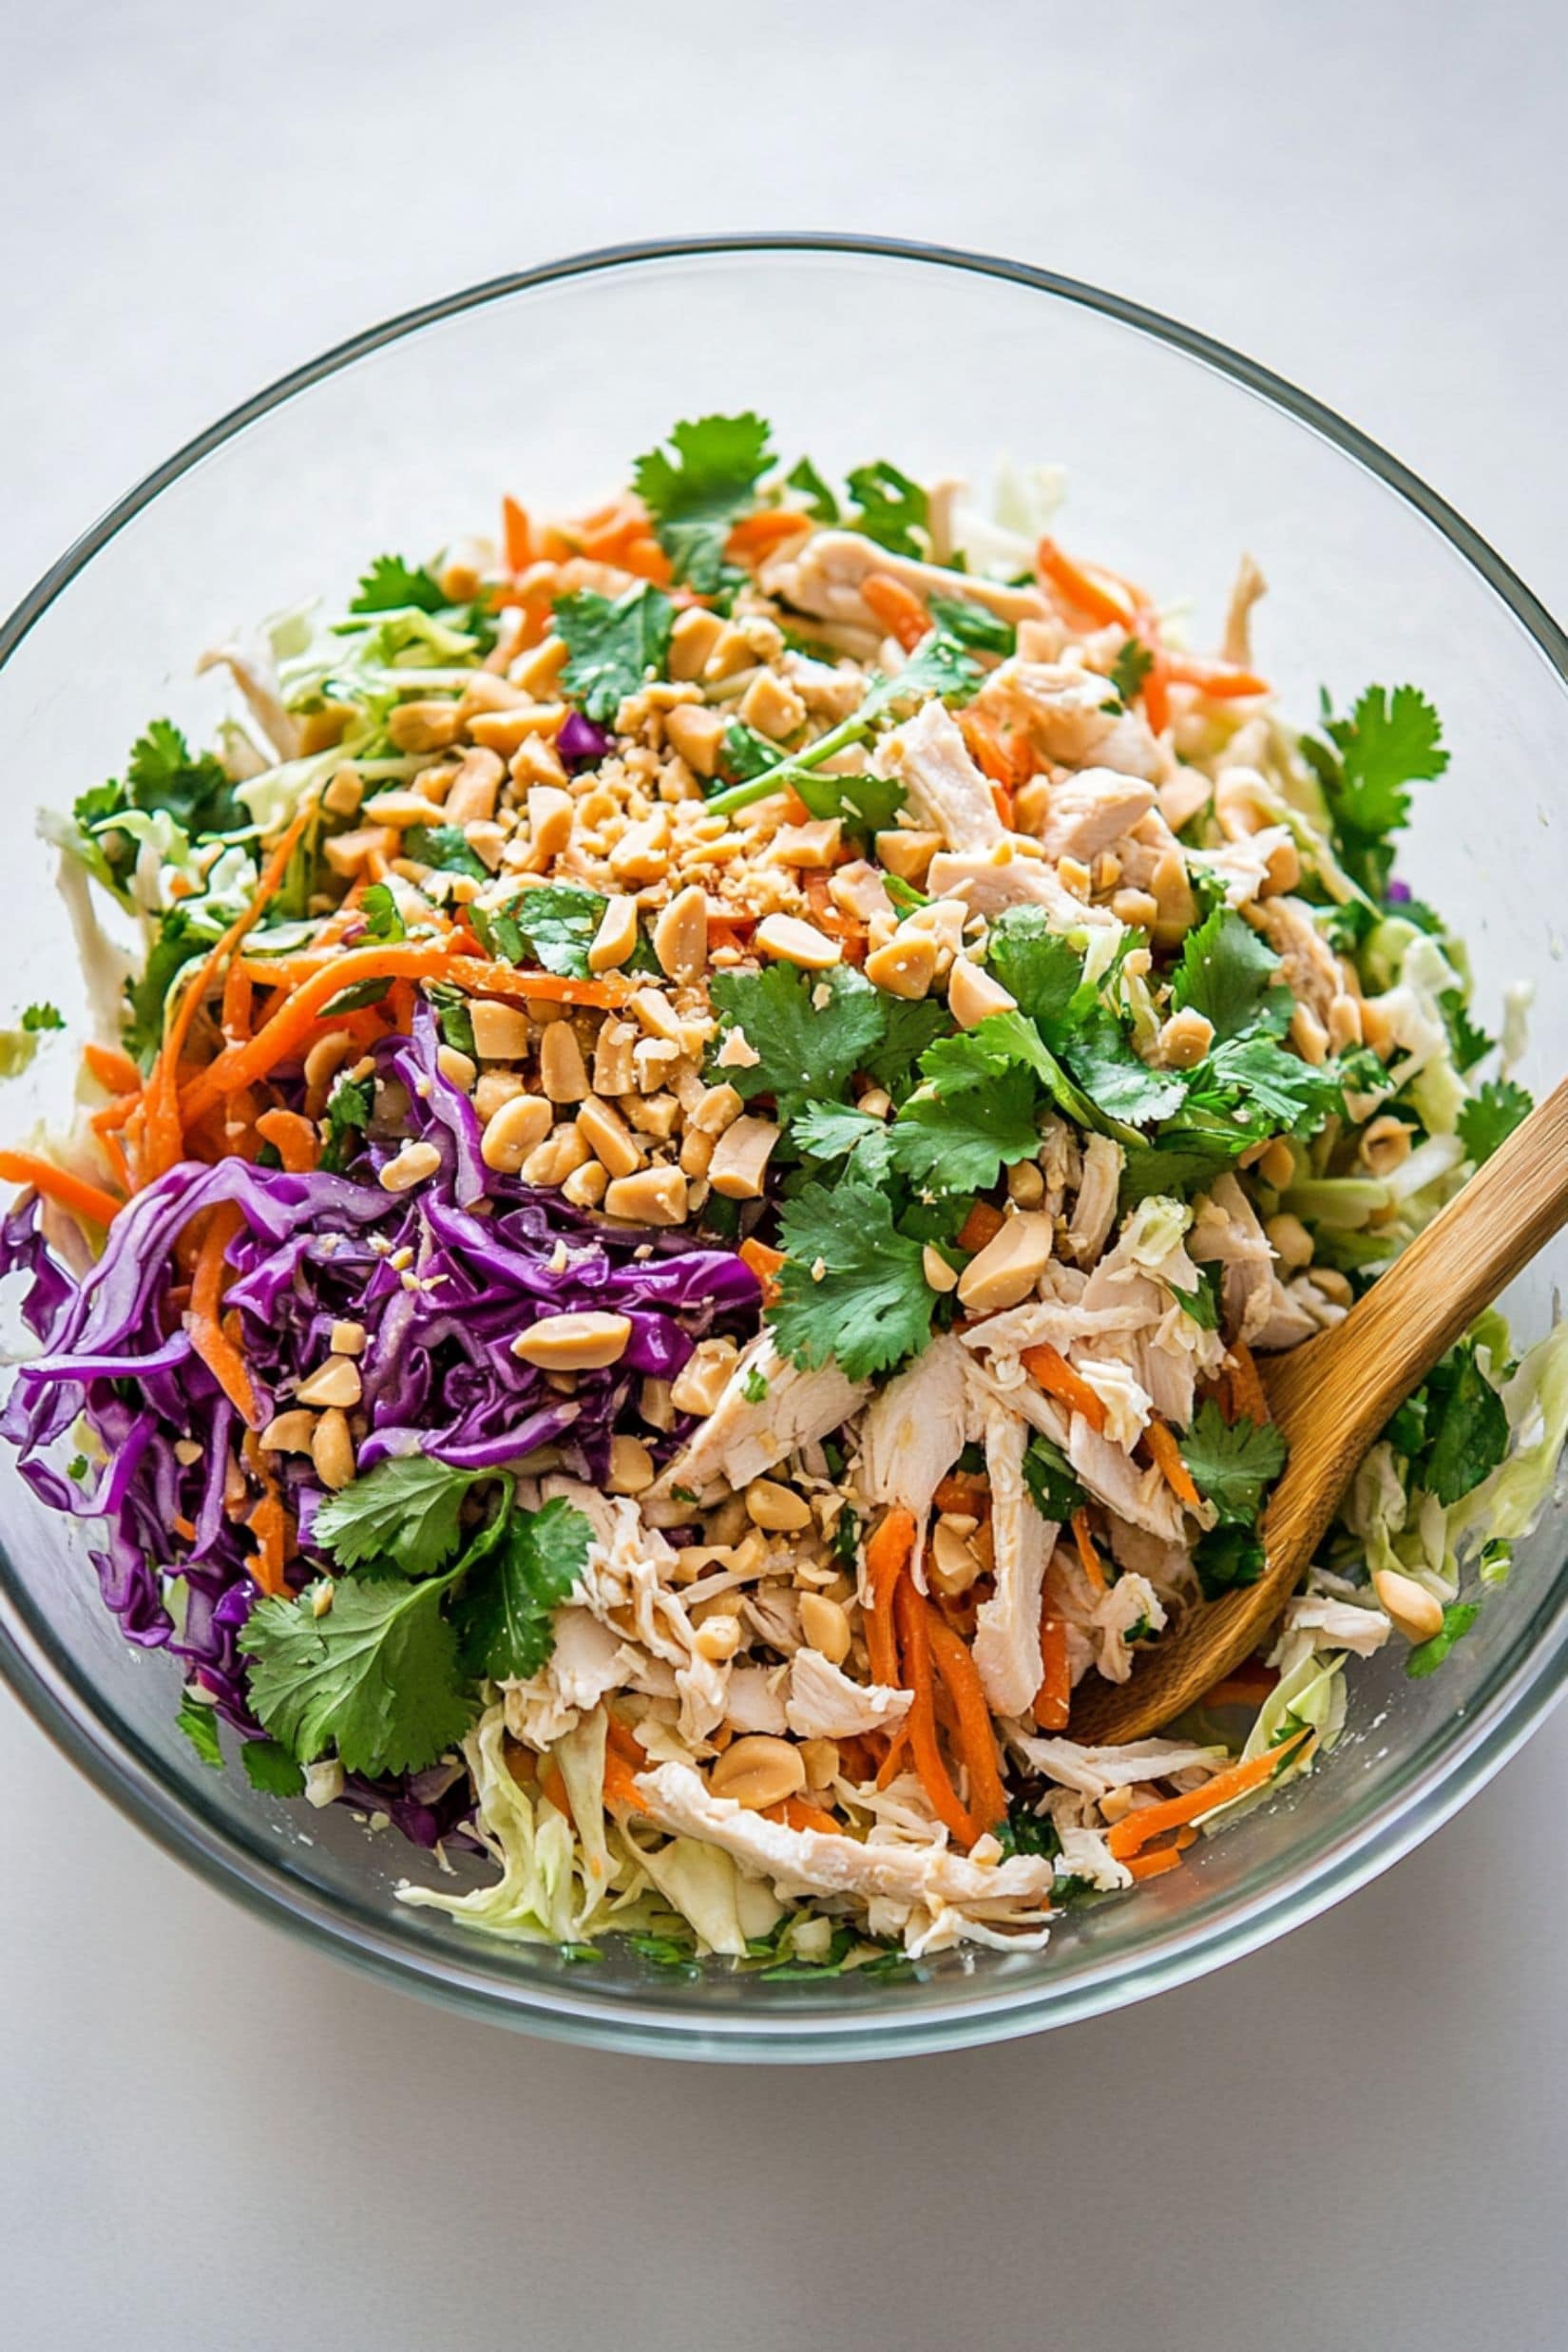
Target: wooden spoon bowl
<point x="1332" y="1397"/>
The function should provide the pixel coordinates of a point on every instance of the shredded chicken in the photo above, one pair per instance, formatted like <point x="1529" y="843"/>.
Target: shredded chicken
<point x="945" y="790"/>
<point x="747" y="1435"/>
<point x="824" y="577"/>
<point x="825" y="1704"/>
<point x="1006" y="1642"/>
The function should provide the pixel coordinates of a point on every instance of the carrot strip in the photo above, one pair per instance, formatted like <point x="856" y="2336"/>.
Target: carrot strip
<point x="1161" y="1442"/>
<point x="756" y="535"/>
<point x="1054" y="1698"/>
<point x="1093" y="592"/>
<point x="163" y="1140"/>
<point x="242" y="1066"/>
<point x="620" y="1788"/>
<point x="1154" y="1865"/>
<point x="893" y="1763"/>
<point x="516" y="537"/>
<point x="765" y="1264"/>
<point x="1155" y="694"/>
<point x="981" y="1225"/>
<point x="798" y="1813"/>
<point x="1249" y="1399"/>
<point x="112" y="1068"/>
<point x="1132" y="1832"/>
<point x="898" y="608"/>
<point x="216" y="1350"/>
<point x="976" y="1741"/>
<point x="104" y="1124"/>
<point x="87" y="1201"/>
<point x="986" y="749"/>
<point x="292" y="1137"/>
<point x="1218" y="679"/>
<point x="1088" y="1553"/>
<point x="960" y="1491"/>
<point x="552" y="1782"/>
<point x="888" y="1549"/>
<point x="1053" y="1371"/>
<point x="916" y="1650"/>
<point x="268" y="1524"/>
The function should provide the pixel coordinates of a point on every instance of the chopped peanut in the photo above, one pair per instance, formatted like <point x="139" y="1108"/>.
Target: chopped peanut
<point x="513" y="1132"/>
<point x="574" y="1343"/>
<point x="692" y="640"/>
<point x="616" y="936"/>
<point x="740" y="1162"/>
<point x="500" y="1031"/>
<point x="609" y="1137"/>
<point x="681" y="936"/>
<point x="652" y="1197"/>
<point x="697" y="734"/>
<point x="561" y="1065"/>
<point x="795" y="942"/>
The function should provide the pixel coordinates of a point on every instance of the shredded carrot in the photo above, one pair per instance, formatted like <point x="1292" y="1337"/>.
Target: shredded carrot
<point x="986" y="749"/>
<point x="552" y="1782"/>
<point x="888" y="1549"/>
<point x="1093" y="592"/>
<point x="238" y="995"/>
<point x="765" y="1264"/>
<point x="1051" y="1368"/>
<point x="914" y="1641"/>
<point x="1248" y="1687"/>
<point x="1132" y="1832"/>
<point x="1054" y="1698"/>
<point x="898" y="609"/>
<point x="756" y="535"/>
<point x="620" y="1788"/>
<point x="1218" y="679"/>
<point x="87" y="1201"/>
<point x="291" y="1137"/>
<point x="1021" y="752"/>
<point x="163" y="1140"/>
<point x="1156" y="1865"/>
<point x="798" y="1813"/>
<point x="976" y="1740"/>
<point x="216" y="1350"/>
<point x="112" y="1068"/>
<point x="1249" y="1399"/>
<point x="981" y="1225"/>
<point x="268" y="1523"/>
<point x="1161" y="1442"/>
<point x="516" y="536"/>
<point x="242" y="1066"/>
<point x="893" y="1763"/>
<point x="1086" y="1549"/>
<point x="104" y="1124"/>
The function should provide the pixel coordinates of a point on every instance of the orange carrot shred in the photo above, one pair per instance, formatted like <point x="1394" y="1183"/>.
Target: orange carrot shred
<point x="755" y="535"/>
<point x="888" y="1549"/>
<point x="898" y="609"/>
<point x="516" y="536"/>
<point x="1156" y="1865"/>
<point x="1161" y="1442"/>
<point x="1087" y="1552"/>
<point x="1093" y="593"/>
<point x="112" y="1068"/>
<point x="798" y="1813"/>
<point x="291" y="1137"/>
<point x="1051" y="1368"/>
<point x="87" y="1201"/>
<point x="1132" y="1832"/>
<point x="981" y="1225"/>
<point x="1054" y="1698"/>
<point x="765" y="1264"/>
<point x="976" y="1740"/>
<point x="915" y="1652"/>
<point x="268" y="1523"/>
<point x="217" y="1351"/>
<point x="1249" y="1399"/>
<point x="1248" y="1687"/>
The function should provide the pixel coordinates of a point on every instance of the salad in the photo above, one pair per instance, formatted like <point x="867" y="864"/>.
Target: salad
<point x="700" y="1128"/>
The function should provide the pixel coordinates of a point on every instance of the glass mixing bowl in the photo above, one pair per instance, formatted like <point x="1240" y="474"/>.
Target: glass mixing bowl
<point x="1181" y="455"/>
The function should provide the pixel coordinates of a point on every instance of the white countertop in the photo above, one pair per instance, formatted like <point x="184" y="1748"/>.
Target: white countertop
<point x="208" y="2136"/>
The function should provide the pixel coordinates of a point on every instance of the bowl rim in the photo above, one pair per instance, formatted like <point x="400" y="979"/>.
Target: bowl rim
<point x="1479" y="1746"/>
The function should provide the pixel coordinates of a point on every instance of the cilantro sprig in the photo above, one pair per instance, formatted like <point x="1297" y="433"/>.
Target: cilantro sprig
<point x="851" y="1287"/>
<point x="1233" y="1465"/>
<point x="612" y="647"/>
<point x="1365" y="765"/>
<point x="696" y="494"/>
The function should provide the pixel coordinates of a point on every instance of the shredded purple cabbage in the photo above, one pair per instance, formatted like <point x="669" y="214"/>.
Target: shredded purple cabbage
<point x="443" y="1279"/>
<point x="579" y="741"/>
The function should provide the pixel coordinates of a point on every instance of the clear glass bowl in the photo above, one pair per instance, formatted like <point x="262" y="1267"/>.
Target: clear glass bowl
<point x="1181" y="455"/>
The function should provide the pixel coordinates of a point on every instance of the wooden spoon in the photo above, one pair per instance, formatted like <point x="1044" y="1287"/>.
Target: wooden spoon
<point x="1332" y="1397"/>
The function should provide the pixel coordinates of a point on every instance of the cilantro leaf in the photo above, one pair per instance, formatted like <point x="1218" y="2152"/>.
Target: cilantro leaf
<point x="375" y="1678"/>
<point x="1180" y="1162"/>
<point x="505" y="1609"/>
<point x="611" y="648"/>
<point x="961" y="1142"/>
<point x="1053" y="1485"/>
<point x="1388" y="743"/>
<point x="1131" y="667"/>
<point x="1118" y="1083"/>
<point x="392" y="585"/>
<point x="174" y="945"/>
<point x="908" y="1027"/>
<point x="1202" y="1304"/>
<point x="197" y="1719"/>
<point x="866" y="803"/>
<point x="1469" y="1426"/>
<point x="824" y="1130"/>
<point x="746" y="754"/>
<point x="379" y="909"/>
<point x="869" y="1306"/>
<point x="974" y="624"/>
<point x="1231" y="1463"/>
<point x="1039" y="968"/>
<point x="405" y="1512"/>
<point x="160" y="773"/>
<point x="1257" y="1077"/>
<point x="453" y="1013"/>
<point x="820" y="501"/>
<point x="1469" y="1042"/>
<point x="1427" y="1656"/>
<point x="889" y="507"/>
<point x="1225" y="1557"/>
<point x="446" y="848"/>
<point x="810" y="1030"/>
<point x="695" y="496"/>
<point x="1486" y="1120"/>
<point x="1027" y="1832"/>
<point x="38" y="1017"/>
<point x="1228" y="974"/>
<point x="557" y="923"/>
<point x="349" y="1109"/>
<point x="270" y="1768"/>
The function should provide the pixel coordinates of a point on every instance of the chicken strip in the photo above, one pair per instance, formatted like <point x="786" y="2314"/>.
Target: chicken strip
<point x="770" y="1409"/>
<point x="1006" y="1643"/>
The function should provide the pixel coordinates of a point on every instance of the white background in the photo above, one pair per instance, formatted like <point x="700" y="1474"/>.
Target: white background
<point x="209" y="2138"/>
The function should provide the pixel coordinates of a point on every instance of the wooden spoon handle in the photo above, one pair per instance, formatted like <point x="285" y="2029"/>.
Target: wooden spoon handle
<point x="1471" y="1252"/>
